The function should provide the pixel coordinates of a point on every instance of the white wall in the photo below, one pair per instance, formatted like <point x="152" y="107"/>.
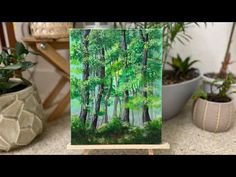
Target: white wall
<point x="208" y="45"/>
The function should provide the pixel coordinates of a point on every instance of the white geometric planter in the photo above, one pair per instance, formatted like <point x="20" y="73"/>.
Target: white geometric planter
<point x="21" y="118"/>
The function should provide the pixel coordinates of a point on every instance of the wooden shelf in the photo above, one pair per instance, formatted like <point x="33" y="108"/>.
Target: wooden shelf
<point x="48" y="49"/>
<point x="33" y="39"/>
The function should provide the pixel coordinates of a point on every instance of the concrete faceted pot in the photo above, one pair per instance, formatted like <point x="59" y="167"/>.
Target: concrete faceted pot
<point x="21" y="118"/>
<point x="175" y="96"/>
<point x="207" y="82"/>
<point x="213" y="116"/>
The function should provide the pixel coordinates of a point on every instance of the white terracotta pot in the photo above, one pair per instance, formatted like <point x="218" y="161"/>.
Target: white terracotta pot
<point x="213" y="116"/>
<point x="175" y="96"/>
<point x="207" y="87"/>
<point x="21" y="118"/>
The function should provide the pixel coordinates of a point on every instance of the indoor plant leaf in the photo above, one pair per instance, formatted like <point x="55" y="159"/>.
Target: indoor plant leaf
<point x="8" y="85"/>
<point x="20" y="49"/>
<point x="13" y="67"/>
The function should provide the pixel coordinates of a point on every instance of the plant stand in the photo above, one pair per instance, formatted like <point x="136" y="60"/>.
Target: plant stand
<point x="48" y="49"/>
<point x="151" y="148"/>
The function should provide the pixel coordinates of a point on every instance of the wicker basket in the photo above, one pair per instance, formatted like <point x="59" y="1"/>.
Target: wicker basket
<point x="50" y="30"/>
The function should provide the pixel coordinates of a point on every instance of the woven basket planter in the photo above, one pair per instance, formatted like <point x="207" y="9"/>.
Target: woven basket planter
<point x="213" y="116"/>
<point x="50" y="30"/>
<point x="21" y="118"/>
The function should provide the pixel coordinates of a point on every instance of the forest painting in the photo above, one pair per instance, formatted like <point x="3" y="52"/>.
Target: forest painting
<point x="116" y="86"/>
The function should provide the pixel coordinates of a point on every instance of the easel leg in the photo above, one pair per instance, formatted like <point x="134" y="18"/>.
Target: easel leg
<point x="150" y="152"/>
<point x="54" y="92"/>
<point x="86" y="152"/>
<point x="60" y="108"/>
<point x="54" y="57"/>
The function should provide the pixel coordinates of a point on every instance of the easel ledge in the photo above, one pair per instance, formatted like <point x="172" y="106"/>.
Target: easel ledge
<point x="149" y="147"/>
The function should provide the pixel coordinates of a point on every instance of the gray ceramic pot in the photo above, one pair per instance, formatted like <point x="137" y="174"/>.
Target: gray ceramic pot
<point x="175" y="96"/>
<point x="212" y="116"/>
<point x="21" y="118"/>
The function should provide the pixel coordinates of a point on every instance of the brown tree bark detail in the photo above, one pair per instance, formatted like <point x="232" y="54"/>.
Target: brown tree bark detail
<point x="100" y="90"/>
<point x="85" y="96"/>
<point x="106" y="100"/>
<point x="126" y="92"/>
<point x="227" y="59"/>
<point x="145" y="114"/>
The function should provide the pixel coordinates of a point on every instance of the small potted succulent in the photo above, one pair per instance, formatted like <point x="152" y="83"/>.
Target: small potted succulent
<point x="179" y="83"/>
<point x="21" y="112"/>
<point x="213" y="111"/>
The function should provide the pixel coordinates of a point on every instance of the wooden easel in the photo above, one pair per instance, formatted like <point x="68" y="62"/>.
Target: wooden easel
<point x="48" y="49"/>
<point x="151" y="148"/>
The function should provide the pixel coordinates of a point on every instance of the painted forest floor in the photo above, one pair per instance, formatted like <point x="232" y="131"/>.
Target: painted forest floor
<point x="182" y="135"/>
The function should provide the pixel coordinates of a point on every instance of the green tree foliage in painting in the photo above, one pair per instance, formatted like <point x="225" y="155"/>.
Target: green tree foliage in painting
<point x="116" y="86"/>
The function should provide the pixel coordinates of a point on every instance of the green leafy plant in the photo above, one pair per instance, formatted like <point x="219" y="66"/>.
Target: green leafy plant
<point x="115" y="132"/>
<point x="81" y="131"/>
<point x="181" y="66"/>
<point x="172" y="32"/>
<point x="224" y="88"/>
<point x="221" y="95"/>
<point x="115" y="127"/>
<point x="12" y="61"/>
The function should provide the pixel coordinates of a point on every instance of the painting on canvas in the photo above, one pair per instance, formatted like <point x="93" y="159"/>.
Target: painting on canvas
<point x="116" y="86"/>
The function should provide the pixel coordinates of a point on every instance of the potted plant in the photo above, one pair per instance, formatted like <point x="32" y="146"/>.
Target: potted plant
<point x="179" y="83"/>
<point x="21" y="112"/>
<point x="208" y="78"/>
<point x="214" y="111"/>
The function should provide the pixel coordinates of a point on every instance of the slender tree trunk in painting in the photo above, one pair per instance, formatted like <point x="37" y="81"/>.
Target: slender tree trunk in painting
<point x="126" y="92"/>
<point x="105" y="113"/>
<point x="100" y="90"/>
<point x="116" y="99"/>
<point x="126" y="110"/>
<point x="132" y="112"/>
<point x="120" y="106"/>
<point x="85" y="90"/>
<point x="145" y="115"/>
<point x="106" y="100"/>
